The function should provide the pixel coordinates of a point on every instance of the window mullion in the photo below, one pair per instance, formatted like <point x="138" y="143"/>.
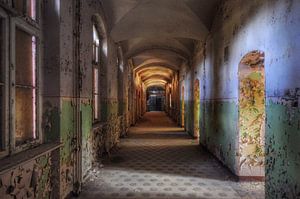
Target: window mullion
<point x="4" y="83"/>
<point x="12" y="88"/>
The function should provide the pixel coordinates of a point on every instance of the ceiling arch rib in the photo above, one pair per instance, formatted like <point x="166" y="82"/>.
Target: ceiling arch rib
<point x="158" y="50"/>
<point x="155" y="82"/>
<point x="156" y="76"/>
<point x="156" y="85"/>
<point x="156" y="73"/>
<point x="157" y="64"/>
<point x="155" y="69"/>
<point x="165" y="76"/>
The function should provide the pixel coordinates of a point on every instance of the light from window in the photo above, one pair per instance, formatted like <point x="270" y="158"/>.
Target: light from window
<point x="96" y="44"/>
<point x="25" y="92"/>
<point x="96" y="93"/>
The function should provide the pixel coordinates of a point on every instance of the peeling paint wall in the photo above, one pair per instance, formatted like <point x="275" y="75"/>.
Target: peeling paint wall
<point x="67" y="115"/>
<point x="28" y="180"/>
<point x="100" y="137"/>
<point x="241" y="27"/>
<point x="173" y="89"/>
<point x="186" y="81"/>
<point x="252" y="115"/>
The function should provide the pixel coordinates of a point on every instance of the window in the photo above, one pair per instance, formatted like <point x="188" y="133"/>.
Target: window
<point x="96" y="44"/>
<point x="19" y="64"/>
<point x="96" y="93"/>
<point x="96" y="60"/>
<point x="26" y="7"/>
<point x="25" y="87"/>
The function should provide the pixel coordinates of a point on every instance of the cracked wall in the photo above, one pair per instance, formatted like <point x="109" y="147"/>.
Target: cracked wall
<point x="240" y="27"/>
<point x="28" y="180"/>
<point x="67" y="103"/>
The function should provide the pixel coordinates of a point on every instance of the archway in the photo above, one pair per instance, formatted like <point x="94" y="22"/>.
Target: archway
<point x="182" y="107"/>
<point x="252" y="115"/>
<point x="196" y="108"/>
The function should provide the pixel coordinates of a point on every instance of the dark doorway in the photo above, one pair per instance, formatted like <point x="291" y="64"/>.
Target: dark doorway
<point x="155" y="99"/>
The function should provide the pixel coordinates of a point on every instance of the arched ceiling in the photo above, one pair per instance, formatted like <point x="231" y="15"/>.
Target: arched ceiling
<point x="159" y="34"/>
<point x="155" y="72"/>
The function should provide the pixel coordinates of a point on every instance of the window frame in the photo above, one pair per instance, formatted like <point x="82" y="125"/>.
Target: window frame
<point x="96" y="58"/>
<point x="96" y="68"/>
<point x="23" y="13"/>
<point x="34" y="31"/>
<point x="5" y="53"/>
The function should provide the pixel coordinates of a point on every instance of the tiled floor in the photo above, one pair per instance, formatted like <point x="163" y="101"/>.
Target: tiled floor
<point x="158" y="160"/>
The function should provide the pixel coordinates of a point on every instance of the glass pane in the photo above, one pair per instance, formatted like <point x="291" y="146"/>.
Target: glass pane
<point x="96" y="43"/>
<point x="25" y="58"/>
<point x="96" y="92"/>
<point x="25" y="115"/>
<point x="31" y="9"/>
<point x="27" y="7"/>
<point x="96" y="54"/>
<point x="19" y="5"/>
<point x="2" y="132"/>
<point x="96" y="101"/>
<point x="96" y="81"/>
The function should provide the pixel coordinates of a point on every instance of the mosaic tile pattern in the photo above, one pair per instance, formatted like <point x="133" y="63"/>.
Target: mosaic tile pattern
<point x="158" y="160"/>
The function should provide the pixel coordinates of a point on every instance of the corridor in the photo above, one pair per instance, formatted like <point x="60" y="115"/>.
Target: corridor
<point x="149" y="99"/>
<point x="159" y="160"/>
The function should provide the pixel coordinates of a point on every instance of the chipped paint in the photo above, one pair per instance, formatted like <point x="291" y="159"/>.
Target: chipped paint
<point x="252" y="115"/>
<point x="28" y="181"/>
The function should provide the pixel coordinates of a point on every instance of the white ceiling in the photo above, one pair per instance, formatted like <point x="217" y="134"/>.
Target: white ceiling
<point x="157" y="33"/>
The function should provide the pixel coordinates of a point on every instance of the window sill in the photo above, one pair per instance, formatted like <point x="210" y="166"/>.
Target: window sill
<point x="23" y="157"/>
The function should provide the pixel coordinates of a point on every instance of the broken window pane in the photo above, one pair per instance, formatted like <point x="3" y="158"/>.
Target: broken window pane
<point x="25" y="94"/>
<point x="26" y="7"/>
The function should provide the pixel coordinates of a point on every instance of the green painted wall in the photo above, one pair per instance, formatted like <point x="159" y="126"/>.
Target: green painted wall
<point x="87" y="120"/>
<point x="282" y="150"/>
<point x="110" y="107"/>
<point x="67" y="130"/>
<point x="87" y="145"/>
<point x="188" y="115"/>
<point x="219" y="130"/>
<point x="44" y="185"/>
<point x="51" y="122"/>
<point x="66" y="136"/>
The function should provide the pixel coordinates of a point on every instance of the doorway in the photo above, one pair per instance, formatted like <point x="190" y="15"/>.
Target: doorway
<point x="182" y="107"/>
<point x="196" y="109"/>
<point x="155" y="99"/>
<point x="252" y="114"/>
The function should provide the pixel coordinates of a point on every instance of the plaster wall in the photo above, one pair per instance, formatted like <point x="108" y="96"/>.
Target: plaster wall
<point x="243" y="26"/>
